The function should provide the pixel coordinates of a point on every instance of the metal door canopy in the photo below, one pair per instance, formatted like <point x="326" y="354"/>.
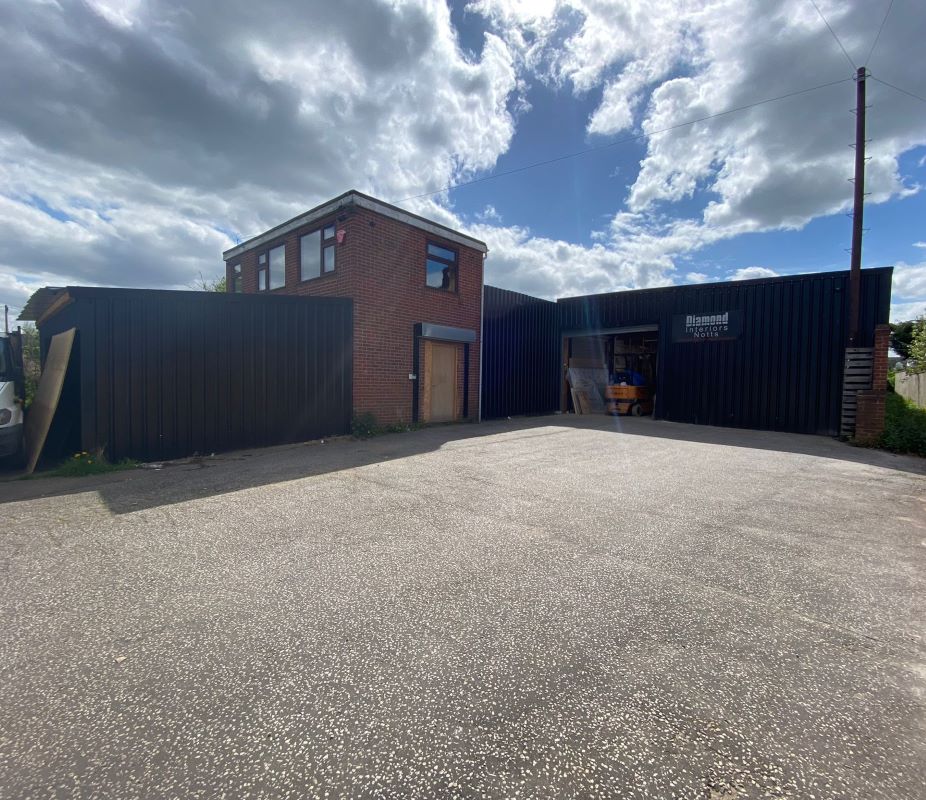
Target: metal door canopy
<point x="446" y="333"/>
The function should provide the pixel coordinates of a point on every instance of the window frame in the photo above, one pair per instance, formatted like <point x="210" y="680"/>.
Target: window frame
<point x="265" y="267"/>
<point x="455" y="263"/>
<point x="263" y="286"/>
<point x="237" y="281"/>
<point x="323" y="245"/>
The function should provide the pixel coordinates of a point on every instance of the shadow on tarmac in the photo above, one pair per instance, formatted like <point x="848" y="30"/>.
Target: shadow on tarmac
<point x="189" y="479"/>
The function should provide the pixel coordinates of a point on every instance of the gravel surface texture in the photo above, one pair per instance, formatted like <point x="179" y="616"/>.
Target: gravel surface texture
<point x="558" y="607"/>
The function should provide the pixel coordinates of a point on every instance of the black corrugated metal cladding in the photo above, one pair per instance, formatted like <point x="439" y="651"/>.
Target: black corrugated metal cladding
<point x="520" y="355"/>
<point x="783" y="373"/>
<point x="167" y="374"/>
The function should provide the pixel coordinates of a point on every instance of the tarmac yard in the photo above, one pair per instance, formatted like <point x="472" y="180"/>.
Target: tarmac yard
<point x="555" y="607"/>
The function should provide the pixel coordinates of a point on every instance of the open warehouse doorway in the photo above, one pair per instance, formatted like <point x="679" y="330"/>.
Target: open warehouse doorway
<point x="611" y="371"/>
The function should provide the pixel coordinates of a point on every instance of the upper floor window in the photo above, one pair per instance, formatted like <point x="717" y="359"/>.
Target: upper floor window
<point x="235" y="278"/>
<point x="317" y="253"/>
<point x="271" y="269"/>
<point x="441" y="270"/>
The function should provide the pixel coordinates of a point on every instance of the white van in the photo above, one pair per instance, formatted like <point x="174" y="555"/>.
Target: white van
<point x="11" y="406"/>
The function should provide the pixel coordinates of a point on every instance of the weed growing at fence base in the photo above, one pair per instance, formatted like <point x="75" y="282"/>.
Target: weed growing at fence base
<point x="81" y="464"/>
<point x="364" y="426"/>
<point x="904" y="426"/>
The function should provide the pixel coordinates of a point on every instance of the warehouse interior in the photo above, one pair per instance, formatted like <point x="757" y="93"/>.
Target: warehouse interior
<point x="610" y="372"/>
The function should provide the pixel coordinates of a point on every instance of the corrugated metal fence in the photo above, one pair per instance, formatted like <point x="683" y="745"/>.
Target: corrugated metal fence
<point x="168" y="374"/>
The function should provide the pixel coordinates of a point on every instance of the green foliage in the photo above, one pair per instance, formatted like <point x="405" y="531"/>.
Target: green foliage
<point x="84" y="463"/>
<point x="902" y="337"/>
<point x="32" y="361"/>
<point x="399" y="427"/>
<point x="904" y="426"/>
<point x="364" y="426"/>
<point x="217" y="285"/>
<point x="918" y="345"/>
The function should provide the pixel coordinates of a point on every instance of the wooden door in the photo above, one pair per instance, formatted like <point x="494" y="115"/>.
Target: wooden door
<point x="442" y="382"/>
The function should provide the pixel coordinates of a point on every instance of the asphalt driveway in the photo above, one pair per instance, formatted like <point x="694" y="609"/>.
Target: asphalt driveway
<point x="556" y="607"/>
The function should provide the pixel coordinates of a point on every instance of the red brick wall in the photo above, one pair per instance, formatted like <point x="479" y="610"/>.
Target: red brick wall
<point x="869" y="415"/>
<point x="381" y="266"/>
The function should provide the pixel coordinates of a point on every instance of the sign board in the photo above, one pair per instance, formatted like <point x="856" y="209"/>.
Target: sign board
<point x="717" y="326"/>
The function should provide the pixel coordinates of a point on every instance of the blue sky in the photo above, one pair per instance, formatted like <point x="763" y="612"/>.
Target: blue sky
<point x="574" y="199"/>
<point x="139" y="138"/>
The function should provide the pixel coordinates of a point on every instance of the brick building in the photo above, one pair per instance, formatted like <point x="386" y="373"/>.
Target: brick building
<point x="416" y="287"/>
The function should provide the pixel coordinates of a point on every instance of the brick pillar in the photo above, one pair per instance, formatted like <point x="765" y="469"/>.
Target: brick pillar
<point x="869" y="418"/>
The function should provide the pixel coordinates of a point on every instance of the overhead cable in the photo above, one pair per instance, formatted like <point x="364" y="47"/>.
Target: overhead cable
<point x="617" y="142"/>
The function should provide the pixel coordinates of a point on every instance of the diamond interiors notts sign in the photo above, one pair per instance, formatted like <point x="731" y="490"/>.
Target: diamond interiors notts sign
<point x="717" y="327"/>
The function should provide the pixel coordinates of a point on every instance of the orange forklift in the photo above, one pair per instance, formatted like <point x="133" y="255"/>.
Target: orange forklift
<point x="629" y="391"/>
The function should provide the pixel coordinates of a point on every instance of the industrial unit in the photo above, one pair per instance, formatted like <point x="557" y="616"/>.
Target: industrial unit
<point x="360" y="308"/>
<point x="768" y="354"/>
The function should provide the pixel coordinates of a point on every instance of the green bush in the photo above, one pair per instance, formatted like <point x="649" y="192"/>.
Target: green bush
<point x="84" y="463"/>
<point x="904" y="426"/>
<point x="363" y="426"/>
<point x="918" y="345"/>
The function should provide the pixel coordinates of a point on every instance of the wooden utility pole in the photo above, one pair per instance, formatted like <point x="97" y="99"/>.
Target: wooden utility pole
<point x="858" y="208"/>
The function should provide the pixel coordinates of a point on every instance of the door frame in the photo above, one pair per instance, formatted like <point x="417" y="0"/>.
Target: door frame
<point x="428" y="396"/>
<point x="423" y="331"/>
<point x="566" y="342"/>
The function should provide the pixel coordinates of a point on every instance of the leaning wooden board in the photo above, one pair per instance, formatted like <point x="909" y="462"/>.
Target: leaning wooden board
<point x="588" y="385"/>
<point x="43" y="407"/>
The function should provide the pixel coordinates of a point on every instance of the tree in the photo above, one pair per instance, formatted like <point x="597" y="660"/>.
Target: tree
<point x="204" y="285"/>
<point x="32" y="360"/>
<point x="902" y="337"/>
<point x="918" y="345"/>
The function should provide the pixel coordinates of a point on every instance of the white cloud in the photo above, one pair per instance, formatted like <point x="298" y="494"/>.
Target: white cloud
<point x="908" y="295"/>
<point x="901" y="312"/>
<point x="151" y="134"/>
<point x="489" y="214"/>
<point x="910" y="281"/>
<point x="752" y="273"/>
<point x="697" y="277"/>
<point x="551" y="268"/>
<point x="155" y="133"/>
<point x="919" y="244"/>
<point x="15" y="292"/>
<point x="770" y="167"/>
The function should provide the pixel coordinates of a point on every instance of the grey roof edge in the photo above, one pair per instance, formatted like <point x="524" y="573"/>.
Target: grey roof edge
<point x="355" y="198"/>
<point x="730" y="283"/>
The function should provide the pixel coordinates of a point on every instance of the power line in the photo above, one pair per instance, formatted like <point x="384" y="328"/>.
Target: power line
<point x="625" y="140"/>
<point x="851" y="62"/>
<point x="890" y="5"/>
<point x="898" y="89"/>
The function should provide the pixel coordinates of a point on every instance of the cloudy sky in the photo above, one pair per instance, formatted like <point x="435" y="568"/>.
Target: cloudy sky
<point x="141" y="138"/>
